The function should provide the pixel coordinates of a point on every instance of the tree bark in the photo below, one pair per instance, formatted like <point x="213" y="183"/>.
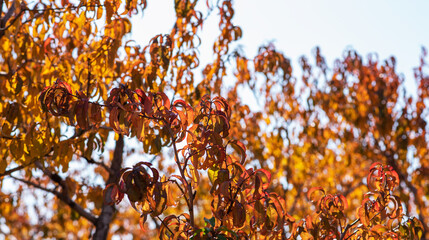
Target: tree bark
<point x="107" y="211"/>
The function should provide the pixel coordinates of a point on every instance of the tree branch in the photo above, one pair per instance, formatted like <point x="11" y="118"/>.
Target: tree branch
<point x="10" y="171"/>
<point x="1" y="8"/>
<point x="107" y="211"/>
<point x="190" y="201"/>
<point x="163" y="223"/>
<point x="53" y="176"/>
<point x="6" y="17"/>
<point x="343" y="234"/>
<point x="63" y="197"/>
<point x="92" y="161"/>
<point x="9" y="138"/>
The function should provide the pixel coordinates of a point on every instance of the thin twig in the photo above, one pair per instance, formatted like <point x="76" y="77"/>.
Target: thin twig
<point x="163" y="223"/>
<point x="33" y="184"/>
<point x="190" y="201"/>
<point x="343" y="234"/>
<point x="181" y="189"/>
<point x="10" y="138"/>
<point x="90" y="160"/>
<point x="235" y="196"/>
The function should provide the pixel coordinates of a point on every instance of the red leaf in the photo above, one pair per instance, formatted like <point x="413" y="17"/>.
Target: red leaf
<point x="312" y="190"/>
<point x="142" y="220"/>
<point x="239" y="147"/>
<point x="165" y="100"/>
<point x="268" y="175"/>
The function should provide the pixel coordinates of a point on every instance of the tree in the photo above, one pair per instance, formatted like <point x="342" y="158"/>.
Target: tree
<point x="212" y="167"/>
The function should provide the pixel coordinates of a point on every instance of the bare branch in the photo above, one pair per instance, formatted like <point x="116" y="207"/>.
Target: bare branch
<point x="10" y="171"/>
<point x="9" y="138"/>
<point x="106" y="128"/>
<point x="8" y="13"/>
<point x="6" y="18"/>
<point x="163" y="223"/>
<point x="34" y="185"/>
<point x="190" y="201"/>
<point x="53" y="176"/>
<point x="343" y="234"/>
<point x="92" y="161"/>
<point x="64" y="198"/>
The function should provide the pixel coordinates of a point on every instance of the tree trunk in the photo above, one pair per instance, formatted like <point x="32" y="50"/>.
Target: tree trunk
<point x="106" y="216"/>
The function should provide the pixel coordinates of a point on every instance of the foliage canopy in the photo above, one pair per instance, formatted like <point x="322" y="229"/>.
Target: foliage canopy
<point x="339" y="153"/>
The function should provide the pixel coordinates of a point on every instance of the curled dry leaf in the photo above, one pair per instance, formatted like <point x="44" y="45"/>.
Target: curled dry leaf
<point x="56" y="99"/>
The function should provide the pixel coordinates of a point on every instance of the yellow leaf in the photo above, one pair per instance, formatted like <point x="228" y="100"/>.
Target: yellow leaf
<point x="99" y="12"/>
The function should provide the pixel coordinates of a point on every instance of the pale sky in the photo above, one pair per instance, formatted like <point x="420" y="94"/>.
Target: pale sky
<point x="387" y="27"/>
